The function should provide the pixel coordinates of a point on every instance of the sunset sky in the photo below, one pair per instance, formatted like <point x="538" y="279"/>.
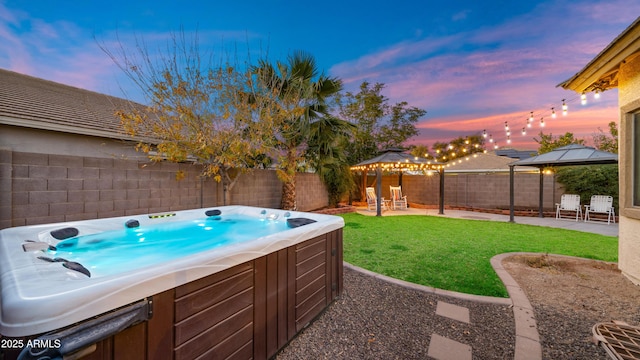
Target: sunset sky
<point x="472" y="65"/>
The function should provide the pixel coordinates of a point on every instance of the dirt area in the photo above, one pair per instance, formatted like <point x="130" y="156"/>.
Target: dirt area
<point x="569" y="296"/>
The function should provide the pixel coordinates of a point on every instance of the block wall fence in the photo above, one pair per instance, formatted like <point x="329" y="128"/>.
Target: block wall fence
<point x="40" y="188"/>
<point x="473" y="190"/>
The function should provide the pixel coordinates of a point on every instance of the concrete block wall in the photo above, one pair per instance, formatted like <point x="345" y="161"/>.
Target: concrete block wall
<point x="490" y="191"/>
<point x="311" y="193"/>
<point x="44" y="188"/>
<point x="260" y="188"/>
<point x="53" y="188"/>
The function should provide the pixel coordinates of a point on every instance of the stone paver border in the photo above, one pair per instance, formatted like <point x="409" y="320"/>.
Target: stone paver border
<point x="527" y="345"/>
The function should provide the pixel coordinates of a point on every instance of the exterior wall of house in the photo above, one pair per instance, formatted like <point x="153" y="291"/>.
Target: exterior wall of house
<point x="489" y="191"/>
<point x="629" y="228"/>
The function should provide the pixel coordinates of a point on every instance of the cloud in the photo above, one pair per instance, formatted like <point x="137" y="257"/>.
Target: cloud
<point x="474" y="80"/>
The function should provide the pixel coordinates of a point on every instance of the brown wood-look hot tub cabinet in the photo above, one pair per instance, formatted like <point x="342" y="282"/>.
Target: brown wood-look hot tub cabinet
<point x="250" y="310"/>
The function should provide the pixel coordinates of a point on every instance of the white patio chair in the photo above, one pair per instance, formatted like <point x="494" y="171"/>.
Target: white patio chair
<point x="602" y="204"/>
<point x="569" y="202"/>
<point x="372" y="200"/>
<point x="397" y="200"/>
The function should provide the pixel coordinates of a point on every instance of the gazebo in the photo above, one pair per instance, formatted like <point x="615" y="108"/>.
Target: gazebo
<point x="569" y="155"/>
<point x="397" y="160"/>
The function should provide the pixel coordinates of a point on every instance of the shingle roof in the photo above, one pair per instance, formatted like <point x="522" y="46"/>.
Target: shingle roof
<point x="516" y="154"/>
<point x="482" y="163"/>
<point x="37" y="103"/>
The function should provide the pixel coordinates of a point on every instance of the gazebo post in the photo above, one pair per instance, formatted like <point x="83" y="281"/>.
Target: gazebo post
<point x="511" y="191"/>
<point x="441" y="211"/>
<point x="378" y="190"/>
<point x="540" y="210"/>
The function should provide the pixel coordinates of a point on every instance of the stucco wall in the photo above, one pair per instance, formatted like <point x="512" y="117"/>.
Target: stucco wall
<point x="629" y="230"/>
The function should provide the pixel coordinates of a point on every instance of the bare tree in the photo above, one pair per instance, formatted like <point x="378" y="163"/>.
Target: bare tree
<point x="219" y="114"/>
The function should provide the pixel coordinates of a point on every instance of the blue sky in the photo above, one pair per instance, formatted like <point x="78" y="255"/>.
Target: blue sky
<point x="471" y="64"/>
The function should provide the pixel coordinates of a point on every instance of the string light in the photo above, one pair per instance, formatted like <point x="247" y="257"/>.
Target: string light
<point x="583" y="99"/>
<point x="596" y="95"/>
<point x="551" y="111"/>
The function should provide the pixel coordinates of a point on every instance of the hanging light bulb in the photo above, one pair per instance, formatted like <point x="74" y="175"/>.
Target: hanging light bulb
<point x="491" y="138"/>
<point x="495" y="146"/>
<point x="484" y="133"/>
<point x="531" y="117"/>
<point x="528" y="123"/>
<point x="596" y="95"/>
<point x="565" y="108"/>
<point x="583" y="99"/>
<point x="506" y="126"/>
<point x="508" y="139"/>
<point x="553" y="113"/>
<point x="542" y="122"/>
<point x="466" y="140"/>
<point x="524" y="131"/>
<point x="508" y="132"/>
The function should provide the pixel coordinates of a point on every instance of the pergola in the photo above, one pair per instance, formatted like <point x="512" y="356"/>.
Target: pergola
<point x="396" y="160"/>
<point x="569" y="155"/>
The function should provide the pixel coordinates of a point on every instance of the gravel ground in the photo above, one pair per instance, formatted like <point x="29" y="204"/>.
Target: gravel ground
<point x="569" y="296"/>
<point x="374" y="319"/>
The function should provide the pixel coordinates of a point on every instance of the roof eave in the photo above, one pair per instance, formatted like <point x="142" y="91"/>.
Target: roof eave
<point x="601" y="72"/>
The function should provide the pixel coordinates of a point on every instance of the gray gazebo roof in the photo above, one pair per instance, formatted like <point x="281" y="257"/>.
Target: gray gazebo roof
<point x="573" y="154"/>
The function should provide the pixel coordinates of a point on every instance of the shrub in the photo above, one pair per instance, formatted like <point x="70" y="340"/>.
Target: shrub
<point x="590" y="180"/>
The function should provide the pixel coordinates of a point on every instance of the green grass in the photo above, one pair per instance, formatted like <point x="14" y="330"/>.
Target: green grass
<point x="454" y="254"/>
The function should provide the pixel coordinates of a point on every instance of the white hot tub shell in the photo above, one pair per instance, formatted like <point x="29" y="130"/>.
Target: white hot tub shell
<point x="40" y="296"/>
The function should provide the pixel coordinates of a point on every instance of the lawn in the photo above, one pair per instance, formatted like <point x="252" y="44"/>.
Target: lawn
<point x="454" y="254"/>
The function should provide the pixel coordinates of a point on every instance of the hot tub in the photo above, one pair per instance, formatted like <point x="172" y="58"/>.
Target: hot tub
<point x="174" y="282"/>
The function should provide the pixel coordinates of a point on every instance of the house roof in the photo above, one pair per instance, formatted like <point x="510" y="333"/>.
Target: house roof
<point x="516" y="154"/>
<point x="601" y="73"/>
<point x="37" y="103"/>
<point x="570" y="155"/>
<point x="483" y="163"/>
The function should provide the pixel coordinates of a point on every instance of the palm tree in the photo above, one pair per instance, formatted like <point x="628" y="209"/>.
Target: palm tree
<point x="303" y="94"/>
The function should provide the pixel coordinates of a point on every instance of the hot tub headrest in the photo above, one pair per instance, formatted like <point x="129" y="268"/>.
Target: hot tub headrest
<point x="295" y="222"/>
<point x="133" y="223"/>
<point x="64" y="233"/>
<point x="214" y="212"/>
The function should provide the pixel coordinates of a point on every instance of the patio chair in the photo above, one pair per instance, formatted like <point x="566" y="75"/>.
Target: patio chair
<point x="397" y="200"/>
<point x="569" y="202"/>
<point x="372" y="200"/>
<point x="602" y="204"/>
